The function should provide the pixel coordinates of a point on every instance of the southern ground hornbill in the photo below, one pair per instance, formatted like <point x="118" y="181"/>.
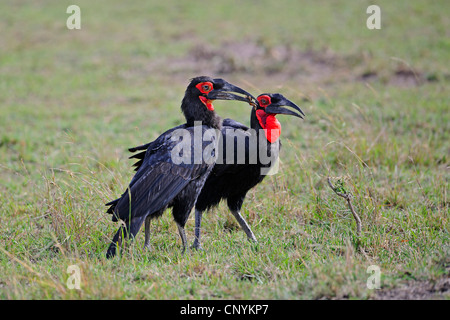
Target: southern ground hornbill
<point x="232" y="181"/>
<point x="161" y="183"/>
<point x="233" y="176"/>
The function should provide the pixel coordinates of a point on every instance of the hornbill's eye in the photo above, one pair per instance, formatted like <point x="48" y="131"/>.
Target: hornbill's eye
<point x="204" y="87"/>
<point x="264" y="100"/>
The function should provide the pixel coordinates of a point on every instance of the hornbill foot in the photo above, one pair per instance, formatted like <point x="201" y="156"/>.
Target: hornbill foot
<point x="184" y="250"/>
<point x="111" y="251"/>
<point x="197" y="246"/>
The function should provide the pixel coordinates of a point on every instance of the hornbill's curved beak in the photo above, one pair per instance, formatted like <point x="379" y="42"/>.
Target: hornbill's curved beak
<point x="222" y="91"/>
<point x="277" y="108"/>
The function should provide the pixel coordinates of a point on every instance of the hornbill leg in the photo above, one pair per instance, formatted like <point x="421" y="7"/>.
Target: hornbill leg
<point x="116" y="241"/>
<point x="198" y="220"/>
<point x="147" y="232"/>
<point x="129" y="231"/>
<point x="244" y="225"/>
<point x="182" y="236"/>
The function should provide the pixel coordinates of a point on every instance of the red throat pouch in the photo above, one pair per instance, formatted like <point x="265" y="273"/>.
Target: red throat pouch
<point x="270" y="124"/>
<point x="207" y="103"/>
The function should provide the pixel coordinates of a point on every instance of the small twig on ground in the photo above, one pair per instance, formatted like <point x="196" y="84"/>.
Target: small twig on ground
<point x="348" y="197"/>
<point x="340" y="191"/>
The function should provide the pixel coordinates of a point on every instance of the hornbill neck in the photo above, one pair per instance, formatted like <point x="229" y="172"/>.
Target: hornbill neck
<point x="262" y="148"/>
<point x="254" y="123"/>
<point x="258" y="127"/>
<point x="194" y="110"/>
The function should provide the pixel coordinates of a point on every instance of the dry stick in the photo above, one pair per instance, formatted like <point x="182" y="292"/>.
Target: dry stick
<point x="348" y="197"/>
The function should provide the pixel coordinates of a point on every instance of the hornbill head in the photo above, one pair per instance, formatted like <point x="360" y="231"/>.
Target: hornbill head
<point x="207" y="90"/>
<point x="267" y="107"/>
<point x="197" y="103"/>
<point x="274" y="103"/>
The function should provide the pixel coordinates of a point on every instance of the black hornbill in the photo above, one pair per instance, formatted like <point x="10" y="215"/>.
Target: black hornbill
<point x="160" y="182"/>
<point x="232" y="181"/>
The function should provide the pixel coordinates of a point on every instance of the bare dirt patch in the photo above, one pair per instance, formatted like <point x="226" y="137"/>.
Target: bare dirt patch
<point x="278" y="62"/>
<point x="417" y="290"/>
<point x="282" y="63"/>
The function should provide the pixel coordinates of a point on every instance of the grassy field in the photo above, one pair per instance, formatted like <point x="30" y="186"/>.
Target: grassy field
<point x="377" y="105"/>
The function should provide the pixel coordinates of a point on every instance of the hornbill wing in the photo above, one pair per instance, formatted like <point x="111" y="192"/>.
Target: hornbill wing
<point x="157" y="181"/>
<point x="155" y="142"/>
<point x="233" y="124"/>
<point x="149" y="147"/>
<point x="232" y="131"/>
<point x="155" y="189"/>
<point x="141" y="147"/>
<point x="152" y="146"/>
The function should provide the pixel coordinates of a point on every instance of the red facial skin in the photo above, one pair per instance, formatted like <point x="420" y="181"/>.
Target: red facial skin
<point x="205" y="88"/>
<point x="270" y="124"/>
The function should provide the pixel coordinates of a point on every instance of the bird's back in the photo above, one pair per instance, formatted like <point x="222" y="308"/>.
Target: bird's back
<point x="160" y="177"/>
<point x="235" y="175"/>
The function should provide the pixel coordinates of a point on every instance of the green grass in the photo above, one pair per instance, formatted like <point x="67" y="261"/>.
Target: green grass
<point x="72" y="102"/>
